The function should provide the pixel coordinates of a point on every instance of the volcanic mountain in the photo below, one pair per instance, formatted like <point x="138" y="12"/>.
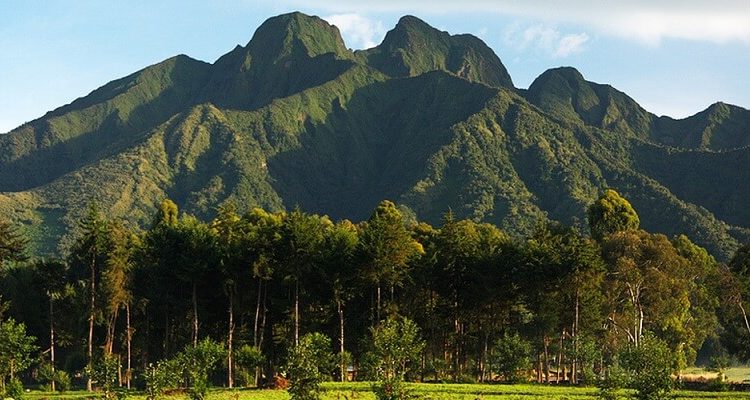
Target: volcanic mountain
<point x="427" y="119"/>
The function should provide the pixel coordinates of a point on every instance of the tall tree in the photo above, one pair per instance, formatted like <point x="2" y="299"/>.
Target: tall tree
<point x="89" y="252"/>
<point x="118" y="289"/>
<point x="611" y="213"/>
<point x="341" y="272"/>
<point x="735" y="286"/>
<point x="195" y="252"/>
<point x="12" y="243"/>
<point x="386" y="247"/>
<point x="228" y="227"/>
<point x="52" y="275"/>
<point x="301" y="249"/>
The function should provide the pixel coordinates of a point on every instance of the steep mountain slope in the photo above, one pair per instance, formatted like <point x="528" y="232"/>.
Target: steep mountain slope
<point x="427" y="119"/>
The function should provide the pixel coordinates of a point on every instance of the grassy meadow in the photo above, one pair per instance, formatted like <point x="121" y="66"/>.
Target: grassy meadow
<point x="361" y="391"/>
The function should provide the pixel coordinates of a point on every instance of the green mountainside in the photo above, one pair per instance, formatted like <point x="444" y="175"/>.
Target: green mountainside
<point x="429" y="120"/>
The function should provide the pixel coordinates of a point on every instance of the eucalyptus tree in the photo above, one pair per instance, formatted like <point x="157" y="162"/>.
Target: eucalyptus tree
<point x="457" y="275"/>
<point x="52" y="275"/>
<point x="89" y="252"/>
<point x="386" y="247"/>
<point x="652" y="287"/>
<point x="181" y="249"/>
<point x="300" y="253"/>
<point x="735" y="289"/>
<point x="342" y="273"/>
<point x="228" y="227"/>
<point x="611" y="213"/>
<point x="740" y="268"/>
<point x="194" y="253"/>
<point x="260" y="243"/>
<point x="117" y="285"/>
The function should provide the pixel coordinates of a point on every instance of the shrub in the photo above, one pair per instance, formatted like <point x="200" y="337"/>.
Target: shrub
<point x="198" y="362"/>
<point x="650" y="366"/>
<point x="45" y="375"/>
<point x="613" y="383"/>
<point x="104" y="373"/>
<point x="13" y="389"/>
<point x="308" y="365"/>
<point x="396" y="345"/>
<point x="511" y="357"/>
<point x="161" y="377"/>
<point x="62" y="380"/>
<point x="248" y="359"/>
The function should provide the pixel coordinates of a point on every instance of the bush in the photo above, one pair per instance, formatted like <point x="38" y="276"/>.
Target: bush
<point x="13" y="389"/>
<point x="62" y="381"/>
<point x="308" y="365"/>
<point x="104" y="373"/>
<point x="198" y="362"/>
<point x="161" y="377"/>
<point x="650" y="366"/>
<point x="190" y="368"/>
<point x="613" y="383"/>
<point x="396" y="345"/>
<point x="45" y="375"/>
<point x="511" y="357"/>
<point x="248" y="358"/>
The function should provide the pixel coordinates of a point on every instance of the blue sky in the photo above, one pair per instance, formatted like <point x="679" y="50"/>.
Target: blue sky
<point x="673" y="57"/>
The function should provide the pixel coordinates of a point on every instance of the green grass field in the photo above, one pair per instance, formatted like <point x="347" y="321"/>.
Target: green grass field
<point x="734" y="374"/>
<point x="361" y="391"/>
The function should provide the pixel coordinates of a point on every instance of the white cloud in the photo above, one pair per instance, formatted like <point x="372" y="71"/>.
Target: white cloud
<point x="545" y="38"/>
<point x="647" y="21"/>
<point x="358" y="32"/>
<point x="570" y="44"/>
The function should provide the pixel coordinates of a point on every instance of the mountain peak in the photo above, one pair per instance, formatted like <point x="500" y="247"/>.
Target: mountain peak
<point x="295" y="34"/>
<point x="411" y="22"/>
<point x="565" y="93"/>
<point x="413" y="47"/>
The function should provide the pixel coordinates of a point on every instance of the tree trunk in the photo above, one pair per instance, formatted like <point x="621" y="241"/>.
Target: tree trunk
<point x="483" y="363"/>
<point x="296" y="313"/>
<point x="92" y="310"/>
<point x="744" y="315"/>
<point x="111" y="328"/>
<point x="546" y="359"/>
<point x="257" y="313"/>
<point x="263" y="319"/>
<point x="230" y="338"/>
<point x="166" y="332"/>
<point x="195" y="314"/>
<point x="341" y="340"/>
<point x="559" y="358"/>
<point x="129" y="338"/>
<point x="52" y="340"/>
<point x="539" y="369"/>
<point x="575" y="366"/>
<point x="377" y="310"/>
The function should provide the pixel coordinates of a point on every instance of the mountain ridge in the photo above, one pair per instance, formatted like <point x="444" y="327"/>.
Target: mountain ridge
<point x="428" y="119"/>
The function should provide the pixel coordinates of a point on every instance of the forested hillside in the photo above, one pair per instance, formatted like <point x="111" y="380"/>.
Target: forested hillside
<point x="428" y="119"/>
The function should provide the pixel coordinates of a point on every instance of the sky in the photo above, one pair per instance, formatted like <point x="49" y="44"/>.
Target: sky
<point x="674" y="57"/>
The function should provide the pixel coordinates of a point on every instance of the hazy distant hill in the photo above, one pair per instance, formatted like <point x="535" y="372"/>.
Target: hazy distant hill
<point x="429" y="120"/>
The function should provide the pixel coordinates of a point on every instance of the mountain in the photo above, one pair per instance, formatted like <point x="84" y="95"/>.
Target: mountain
<point x="427" y="119"/>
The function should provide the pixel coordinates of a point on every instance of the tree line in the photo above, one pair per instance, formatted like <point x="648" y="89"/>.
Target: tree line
<point x="556" y="306"/>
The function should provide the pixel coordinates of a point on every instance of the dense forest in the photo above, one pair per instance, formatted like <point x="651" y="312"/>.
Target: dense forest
<point x="254" y="282"/>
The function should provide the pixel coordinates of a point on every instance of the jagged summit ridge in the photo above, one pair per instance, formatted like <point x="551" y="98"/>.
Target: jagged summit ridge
<point x="427" y="119"/>
<point x="414" y="47"/>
